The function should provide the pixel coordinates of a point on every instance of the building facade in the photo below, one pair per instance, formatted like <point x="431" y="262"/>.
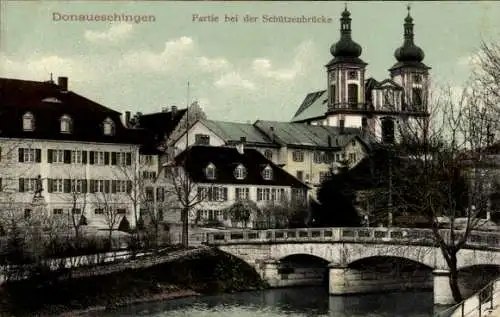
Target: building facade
<point x="212" y="179"/>
<point x="78" y="151"/>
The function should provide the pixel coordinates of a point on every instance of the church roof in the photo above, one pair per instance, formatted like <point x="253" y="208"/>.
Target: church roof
<point x="302" y="135"/>
<point x="313" y="106"/>
<point x="232" y="132"/>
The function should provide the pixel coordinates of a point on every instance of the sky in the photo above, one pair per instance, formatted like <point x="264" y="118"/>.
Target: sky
<point x="237" y="71"/>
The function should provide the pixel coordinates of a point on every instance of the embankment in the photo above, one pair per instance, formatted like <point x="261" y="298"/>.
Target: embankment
<point x="207" y="272"/>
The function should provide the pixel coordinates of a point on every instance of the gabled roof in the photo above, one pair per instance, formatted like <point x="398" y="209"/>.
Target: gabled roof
<point x="304" y="135"/>
<point x="225" y="159"/>
<point x="232" y="132"/>
<point x="161" y="123"/>
<point x="48" y="102"/>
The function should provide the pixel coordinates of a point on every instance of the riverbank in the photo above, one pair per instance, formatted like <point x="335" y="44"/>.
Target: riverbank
<point x="207" y="272"/>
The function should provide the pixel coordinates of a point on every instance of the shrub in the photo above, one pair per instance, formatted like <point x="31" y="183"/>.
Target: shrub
<point x="124" y="225"/>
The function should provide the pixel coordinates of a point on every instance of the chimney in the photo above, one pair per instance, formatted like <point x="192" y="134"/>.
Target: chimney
<point x="62" y="82"/>
<point x="329" y="141"/>
<point x="127" y="119"/>
<point x="240" y="147"/>
<point x="174" y="110"/>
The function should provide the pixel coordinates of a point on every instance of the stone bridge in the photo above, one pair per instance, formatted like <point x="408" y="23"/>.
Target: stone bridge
<point x="358" y="260"/>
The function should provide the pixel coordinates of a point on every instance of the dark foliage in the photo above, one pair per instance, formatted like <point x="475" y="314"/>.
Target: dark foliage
<point x="83" y="221"/>
<point x="336" y="208"/>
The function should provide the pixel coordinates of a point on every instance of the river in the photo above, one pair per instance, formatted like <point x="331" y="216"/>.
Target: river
<point x="292" y="302"/>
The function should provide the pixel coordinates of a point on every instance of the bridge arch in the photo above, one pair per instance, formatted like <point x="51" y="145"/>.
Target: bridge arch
<point x="388" y="260"/>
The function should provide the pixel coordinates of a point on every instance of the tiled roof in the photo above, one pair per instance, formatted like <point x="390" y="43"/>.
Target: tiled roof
<point x="225" y="159"/>
<point x="161" y="123"/>
<point x="48" y="102"/>
<point x="232" y="132"/>
<point x="305" y="135"/>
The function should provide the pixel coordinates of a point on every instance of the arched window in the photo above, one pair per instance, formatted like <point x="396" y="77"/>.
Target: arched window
<point x="108" y="127"/>
<point x="267" y="173"/>
<point x="66" y="124"/>
<point x="240" y="172"/>
<point x="388" y="130"/>
<point x="352" y="95"/>
<point x="210" y="171"/>
<point x="28" y="122"/>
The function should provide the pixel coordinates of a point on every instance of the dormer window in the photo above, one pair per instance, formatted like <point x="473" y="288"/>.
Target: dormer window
<point x="267" y="173"/>
<point x="240" y="172"/>
<point x="108" y="127"/>
<point x="66" y="124"/>
<point x="210" y="171"/>
<point x="28" y="122"/>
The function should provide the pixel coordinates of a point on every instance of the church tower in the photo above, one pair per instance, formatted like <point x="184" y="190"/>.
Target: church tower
<point x="410" y="73"/>
<point x="345" y="79"/>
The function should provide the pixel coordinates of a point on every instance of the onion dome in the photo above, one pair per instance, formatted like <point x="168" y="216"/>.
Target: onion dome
<point x="346" y="47"/>
<point x="409" y="52"/>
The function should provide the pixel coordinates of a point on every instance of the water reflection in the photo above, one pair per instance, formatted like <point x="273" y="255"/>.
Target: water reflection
<point x="294" y="302"/>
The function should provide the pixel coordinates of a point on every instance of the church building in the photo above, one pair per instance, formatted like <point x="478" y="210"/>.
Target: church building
<point x="381" y="109"/>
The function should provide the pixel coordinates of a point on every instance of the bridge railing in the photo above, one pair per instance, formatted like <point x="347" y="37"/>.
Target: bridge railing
<point x="359" y="235"/>
<point x="486" y="299"/>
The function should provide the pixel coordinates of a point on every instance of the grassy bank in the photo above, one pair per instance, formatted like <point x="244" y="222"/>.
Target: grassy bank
<point x="206" y="273"/>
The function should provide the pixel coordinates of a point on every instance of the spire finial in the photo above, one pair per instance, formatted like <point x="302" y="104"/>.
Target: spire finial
<point x="408" y="7"/>
<point x="345" y="6"/>
<point x="51" y="77"/>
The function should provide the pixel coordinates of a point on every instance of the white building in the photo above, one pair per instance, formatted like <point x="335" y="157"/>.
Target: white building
<point x="83" y="154"/>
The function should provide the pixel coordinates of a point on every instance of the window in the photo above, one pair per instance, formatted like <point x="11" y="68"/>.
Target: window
<point x="352" y="75"/>
<point x="267" y="173"/>
<point x="388" y="98"/>
<point x="76" y="211"/>
<point x="319" y="157"/>
<point x="202" y="139"/>
<point x="263" y="194"/>
<point x="323" y="176"/>
<point x="268" y="154"/>
<point x="242" y="193"/>
<point x="332" y="94"/>
<point x="28" y="122"/>
<point x="352" y="95"/>
<point x="121" y="158"/>
<point x="149" y="175"/>
<point x="28" y="155"/>
<point x="76" y="157"/>
<point x="337" y="157"/>
<point x="300" y="175"/>
<point x="341" y="124"/>
<point x="417" y="96"/>
<point x="388" y="131"/>
<point x="100" y="158"/>
<point x="57" y="156"/>
<point x="66" y="124"/>
<point x="298" y="156"/>
<point x="121" y="211"/>
<point x="76" y="186"/>
<point x="99" y="186"/>
<point x="210" y="171"/>
<point x="147" y="159"/>
<point x="108" y="127"/>
<point x="58" y="185"/>
<point x="240" y="172"/>
<point x="27" y="184"/>
<point x="417" y="78"/>
<point x="27" y="213"/>
<point x="99" y="211"/>
<point x="298" y="195"/>
<point x="121" y="186"/>
<point x="149" y="192"/>
<point x="352" y="157"/>
<point x="57" y="211"/>
<point x="212" y="193"/>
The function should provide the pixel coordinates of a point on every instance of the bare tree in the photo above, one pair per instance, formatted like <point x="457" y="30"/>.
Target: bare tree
<point x="187" y="193"/>
<point x="442" y="173"/>
<point x="107" y="206"/>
